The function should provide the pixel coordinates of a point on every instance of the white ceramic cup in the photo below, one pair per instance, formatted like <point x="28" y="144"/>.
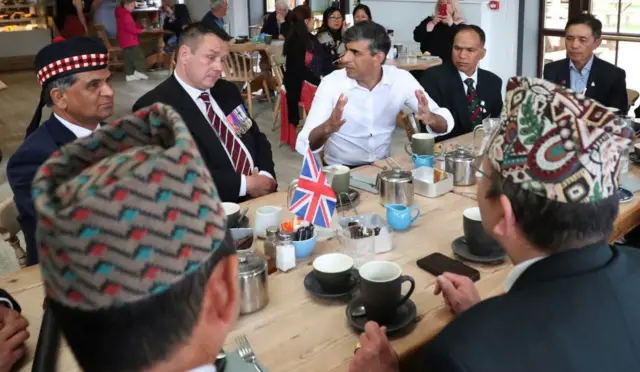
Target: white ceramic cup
<point x="265" y="217"/>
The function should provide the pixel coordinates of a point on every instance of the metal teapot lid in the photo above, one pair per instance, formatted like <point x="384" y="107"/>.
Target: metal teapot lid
<point x="251" y="264"/>
<point x="396" y="175"/>
<point x="460" y="153"/>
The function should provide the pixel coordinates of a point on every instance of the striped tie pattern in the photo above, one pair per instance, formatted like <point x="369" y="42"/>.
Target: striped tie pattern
<point x="474" y="103"/>
<point x="237" y="153"/>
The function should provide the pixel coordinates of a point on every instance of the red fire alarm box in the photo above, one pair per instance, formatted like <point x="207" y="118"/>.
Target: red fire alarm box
<point x="494" y="4"/>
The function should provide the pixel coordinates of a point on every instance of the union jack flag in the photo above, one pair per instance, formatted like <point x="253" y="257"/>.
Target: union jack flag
<point x="313" y="199"/>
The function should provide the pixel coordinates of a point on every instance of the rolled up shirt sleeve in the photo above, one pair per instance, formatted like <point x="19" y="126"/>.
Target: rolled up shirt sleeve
<point x="320" y="112"/>
<point x="412" y="102"/>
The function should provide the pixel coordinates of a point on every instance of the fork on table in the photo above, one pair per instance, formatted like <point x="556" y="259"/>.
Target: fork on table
<point x="246" y="352"/>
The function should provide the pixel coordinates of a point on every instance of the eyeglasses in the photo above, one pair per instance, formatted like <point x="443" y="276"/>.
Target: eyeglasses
<point x="335" y="18"/>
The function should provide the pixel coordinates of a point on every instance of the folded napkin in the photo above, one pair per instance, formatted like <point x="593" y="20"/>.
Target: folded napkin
<point x="237" y="364"/>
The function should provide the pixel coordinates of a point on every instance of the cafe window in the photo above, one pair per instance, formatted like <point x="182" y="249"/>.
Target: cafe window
<point x="271" y="4"/>
<point x="620" y="32"/>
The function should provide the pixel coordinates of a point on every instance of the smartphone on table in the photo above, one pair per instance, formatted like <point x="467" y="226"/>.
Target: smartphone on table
<point x="438" y="264"/>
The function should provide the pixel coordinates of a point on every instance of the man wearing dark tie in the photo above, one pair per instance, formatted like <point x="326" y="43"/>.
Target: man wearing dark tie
<point x="585" y="73"/>
<point x="469" y="92"/>
<point x="237" y="154"/>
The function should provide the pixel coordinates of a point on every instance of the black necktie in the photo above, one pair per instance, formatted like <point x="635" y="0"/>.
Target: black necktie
<point x="473" y="102"/>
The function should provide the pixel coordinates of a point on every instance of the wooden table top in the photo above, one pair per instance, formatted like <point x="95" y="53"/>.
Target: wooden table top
<point x="297" y="332"/>
<point x="411" y="64"/>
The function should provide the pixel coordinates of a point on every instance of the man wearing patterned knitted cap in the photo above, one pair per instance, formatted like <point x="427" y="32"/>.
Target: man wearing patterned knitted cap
<point x="138" y="266"/>
<point x="74" y="78"/>
<point x="549" y="197"/>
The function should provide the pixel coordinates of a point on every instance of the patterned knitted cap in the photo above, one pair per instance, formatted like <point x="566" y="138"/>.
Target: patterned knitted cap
<point x="126" y="212"/>
<point x="558" y="143"/>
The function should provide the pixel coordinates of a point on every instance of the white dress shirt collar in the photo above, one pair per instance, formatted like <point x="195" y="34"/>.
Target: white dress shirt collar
<point x="474" y="77"/>
<point x="388" y="74"/>
<point x="205" y="368"/>
<point x="194" y="93"/>
<point x="77" y="130"/>
<point x="517" y="271"/>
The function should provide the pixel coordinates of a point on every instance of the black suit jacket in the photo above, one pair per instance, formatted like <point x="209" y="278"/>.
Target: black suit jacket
<point x="228" y="97"/>
<point x="21" y="169"/>
<point x="607" y="83"/>
<point x="570" y="312"/>
<point x="444" y="85"/>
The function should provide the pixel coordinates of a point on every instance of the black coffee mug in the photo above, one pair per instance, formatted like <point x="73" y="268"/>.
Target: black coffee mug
<point x="381" y="290"/>
<point x="332" y="271"/>
<point x="477" y="239"/>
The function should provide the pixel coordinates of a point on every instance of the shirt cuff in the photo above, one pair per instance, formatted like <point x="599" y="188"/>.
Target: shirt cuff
<point x="265" y="173"/>
<point x="243" y="185"/>
<point x="6" y="302"/>
<point x="447" y="116"/>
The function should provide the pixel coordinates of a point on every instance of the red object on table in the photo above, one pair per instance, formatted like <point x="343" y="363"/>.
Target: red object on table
<point x="288" y="133"/>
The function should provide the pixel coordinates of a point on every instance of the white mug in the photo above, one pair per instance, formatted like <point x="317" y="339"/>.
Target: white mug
<point x="265" y="217"/>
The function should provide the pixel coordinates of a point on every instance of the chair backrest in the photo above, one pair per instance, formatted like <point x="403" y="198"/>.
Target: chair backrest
<point x="238" y="66"/>
<point x="102" y="34"/>
<point x="632" y="96"/>
<point x="276" y="68"/>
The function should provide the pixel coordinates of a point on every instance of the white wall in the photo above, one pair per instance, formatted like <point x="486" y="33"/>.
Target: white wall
<point x="501" y="26"/>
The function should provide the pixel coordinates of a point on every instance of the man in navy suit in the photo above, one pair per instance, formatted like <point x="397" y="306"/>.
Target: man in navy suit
<point x="74" y="78"/>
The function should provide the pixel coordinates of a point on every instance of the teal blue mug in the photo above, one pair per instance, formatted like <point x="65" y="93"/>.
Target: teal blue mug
<point x="423" y="160"/>
<point x="399" y="216"/>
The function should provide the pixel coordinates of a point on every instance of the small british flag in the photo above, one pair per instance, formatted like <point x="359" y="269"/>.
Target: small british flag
<point x="313" y="199"/>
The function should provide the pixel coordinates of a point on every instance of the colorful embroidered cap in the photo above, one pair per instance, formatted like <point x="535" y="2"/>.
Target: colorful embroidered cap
<point x="558" y="143"/>
<point x="126" y="212"/>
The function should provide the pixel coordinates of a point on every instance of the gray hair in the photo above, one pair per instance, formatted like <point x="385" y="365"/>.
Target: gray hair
<point x="281" y="2"/>
<point x="217" y="3"/>
<point x="377" y="36"/>
<point x="62" y="84"/>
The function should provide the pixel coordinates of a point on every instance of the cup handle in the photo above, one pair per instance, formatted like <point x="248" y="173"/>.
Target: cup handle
<point x="415" y="208"/>
<point x="414" y="157"/>
<point x="407" y="147"/>
<point x="407" y="278"/>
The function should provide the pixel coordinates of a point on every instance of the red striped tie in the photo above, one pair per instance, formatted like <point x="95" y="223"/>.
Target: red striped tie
<point x="237" y="153"/>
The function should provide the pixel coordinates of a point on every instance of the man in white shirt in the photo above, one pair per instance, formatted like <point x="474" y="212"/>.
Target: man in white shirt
<point x="74" y="78"/>
<point x="571" y="301"/>
<point x="354" y="111"/>
<point x="237" y="154"/>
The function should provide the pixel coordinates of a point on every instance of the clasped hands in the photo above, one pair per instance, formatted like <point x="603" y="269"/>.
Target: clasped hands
<point x="260" y="185"/>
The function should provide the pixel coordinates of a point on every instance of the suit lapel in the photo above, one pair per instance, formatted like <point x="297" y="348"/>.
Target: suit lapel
<point x="564" y="76"/>
<point x="59" y="133"/>
<point x="591" y="84"/>
<point x="461" y="104"/>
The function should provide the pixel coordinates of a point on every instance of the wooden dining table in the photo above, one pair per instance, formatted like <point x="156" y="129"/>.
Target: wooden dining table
<point x="297" y="332"/>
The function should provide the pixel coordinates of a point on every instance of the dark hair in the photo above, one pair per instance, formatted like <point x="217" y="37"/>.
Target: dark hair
<point x="133" y="337"/>
<point x="365" y="9"/>
<point x="61" y="83"/>
<point x="337" y="34"/>
<point x="299" y="32"/>
<point x="589" y="20"/>
<point x="370" y="31"/>
<point x="192" y="35"/>
<point x="554" y="226"/>
<point x="476" y="29"/>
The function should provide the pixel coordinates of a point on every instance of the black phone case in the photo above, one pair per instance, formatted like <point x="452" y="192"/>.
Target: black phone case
<point x="437" y="264"/>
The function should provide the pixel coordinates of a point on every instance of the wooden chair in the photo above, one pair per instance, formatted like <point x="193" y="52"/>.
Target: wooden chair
<point x="276" y="68"/>
<point x="238" y="68"/>
<point x="113" y="51"/>
<point x="9" y="228"/>
<point x="632" y="96"/>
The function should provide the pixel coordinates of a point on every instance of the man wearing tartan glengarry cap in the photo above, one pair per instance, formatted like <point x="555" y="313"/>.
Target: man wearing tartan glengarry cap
<point x="138" y="266"/>
<point x="73" y="75"/>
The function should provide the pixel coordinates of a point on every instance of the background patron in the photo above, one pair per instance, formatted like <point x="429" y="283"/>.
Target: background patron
<point x="435" y="34"/>
<point x="275" y="24"/>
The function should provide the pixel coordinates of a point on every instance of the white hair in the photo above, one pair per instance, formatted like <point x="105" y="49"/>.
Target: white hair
<point x="217" y="3"/>
<point x="282" y="2"/>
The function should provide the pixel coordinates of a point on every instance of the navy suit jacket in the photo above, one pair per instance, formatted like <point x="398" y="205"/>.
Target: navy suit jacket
<point x="21" y="169"/>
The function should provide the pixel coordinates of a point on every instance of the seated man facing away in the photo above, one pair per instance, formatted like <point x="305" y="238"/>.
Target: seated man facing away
<point x="585" y="73"/>
<point x="571" y="301"/>
<point x="80" y="98"/>
<point x="354" y="111"/>
<point x="138" y="265"/>
<point x="469" y="92"/>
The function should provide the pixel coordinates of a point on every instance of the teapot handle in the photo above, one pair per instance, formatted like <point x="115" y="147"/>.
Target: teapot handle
<point x="473" y="143"/>
<point x="290" y="190"/>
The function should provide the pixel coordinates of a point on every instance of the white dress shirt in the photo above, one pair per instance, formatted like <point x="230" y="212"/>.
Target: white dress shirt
<point x="195" y="96"/>
<point x="370" y="115"/>
<point x="77" y="130"/>
<point x="464" y="77"/>
<point x="517" y="270"/>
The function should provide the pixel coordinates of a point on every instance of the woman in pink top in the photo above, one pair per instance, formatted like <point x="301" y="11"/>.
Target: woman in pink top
<point x="127" y="34"/>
